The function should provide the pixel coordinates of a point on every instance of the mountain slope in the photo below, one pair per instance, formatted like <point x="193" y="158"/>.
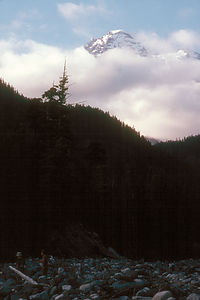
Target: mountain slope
<point x="115" y="39"/>
<point x="63" y="163"/>
<point x="120" y="39"/>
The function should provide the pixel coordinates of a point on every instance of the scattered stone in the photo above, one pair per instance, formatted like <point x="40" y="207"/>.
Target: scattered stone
<point x="66" y="288"/>
<point x="53" y="291"/>
<point x="162" y="295"/>
<point x="86" y="287"/>
<point x="60" y="297"/>
<point x="193" y="296"/>
<point x="40" y="296"/>
<point x="60" y="270"/>
<point x="144" y="292"/>
<point x="104" y="278"/>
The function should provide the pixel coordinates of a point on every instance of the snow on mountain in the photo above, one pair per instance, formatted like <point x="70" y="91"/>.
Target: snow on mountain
<point x="114" y="39"/>
<point x="120" y="39"/>
<point x="179" y="55"/>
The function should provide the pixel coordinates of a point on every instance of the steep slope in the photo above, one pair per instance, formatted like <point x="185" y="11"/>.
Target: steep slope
<point x="115" y="39"/>
<point x="62" y="163"/>
<point x="120" y="39"/>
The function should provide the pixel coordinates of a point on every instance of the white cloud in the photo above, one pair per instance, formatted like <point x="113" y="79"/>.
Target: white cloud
<point x="181" y="39"/>
<point x="72" y="11"/>
<point x="154" y="43"/>
<point x="29" y="66"/>
<point x="159" y="98"/>
<point x="185" y="39"/>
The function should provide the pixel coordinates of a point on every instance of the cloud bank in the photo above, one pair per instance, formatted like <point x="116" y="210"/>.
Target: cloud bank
<point x="159" y="97"/>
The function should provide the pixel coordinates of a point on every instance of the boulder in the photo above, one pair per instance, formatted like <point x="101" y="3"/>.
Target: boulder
<point x="164" y="295"/>
<point x="61" y="270"/>
<point x="141" y="298"/>
<point x="193" y="296"/>
<point x="42" y="279"/>
<point x="144" y="292"/>
<point x="86" y="287"/>
<point x="140" y="283"/>
<point x="53" y="291"/>
<point x="60" y="297"/>
<point x="40" y="296"/>
<point x="66" y="288"/>
<point x="122" y="285"/>
<point x="94" y="296"/>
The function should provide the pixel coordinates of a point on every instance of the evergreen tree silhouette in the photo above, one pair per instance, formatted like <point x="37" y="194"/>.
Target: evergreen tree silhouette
<point x="63" y="87"/>
<point x="58" y="93"/>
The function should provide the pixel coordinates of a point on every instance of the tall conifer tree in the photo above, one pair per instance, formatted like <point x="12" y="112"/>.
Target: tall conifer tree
<point x="58" y="92"/>
<point x="62" y="90"/>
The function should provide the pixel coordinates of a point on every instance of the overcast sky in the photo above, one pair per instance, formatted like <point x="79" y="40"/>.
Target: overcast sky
<point x="159" y="98"/>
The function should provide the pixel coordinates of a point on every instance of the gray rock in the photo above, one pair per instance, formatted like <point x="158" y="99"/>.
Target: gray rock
<point x="164" y="295"/>
<point x="141" y="298"/>
<point x="99" y="282"/>
<point x="42" y="279"/>
<point x="40" y="296"/>
<point x="122" y="285"/>
<point x="60" y="270"/>
<point x="86" y="287"/>
<point x="144" y="292"/>
<point x="127" y="273"/>
<point x="94" y="296"/>
<point x="53" y="291"/>
<point x="193" y="296"/>
<point x="139" y="283"/>
<point x="63" y="282"/>
<point x="66" y="288"/>
<point x="60" y="297"/>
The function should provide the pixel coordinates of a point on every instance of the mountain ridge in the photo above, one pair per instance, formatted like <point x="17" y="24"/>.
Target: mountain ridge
<point x="121" y="39"/>
<point x="114" y="39"/>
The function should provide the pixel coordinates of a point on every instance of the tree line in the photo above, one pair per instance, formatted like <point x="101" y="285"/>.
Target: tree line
<point x="62" y="163"/>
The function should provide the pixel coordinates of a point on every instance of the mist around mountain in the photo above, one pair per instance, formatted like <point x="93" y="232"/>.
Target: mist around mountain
<point x="120" y="39"/>
<point x="64" y="164"/>
<point x="152" y="140"/>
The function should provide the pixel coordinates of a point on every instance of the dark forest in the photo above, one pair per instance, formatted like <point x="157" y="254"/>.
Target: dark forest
<point x="62" y="163"/>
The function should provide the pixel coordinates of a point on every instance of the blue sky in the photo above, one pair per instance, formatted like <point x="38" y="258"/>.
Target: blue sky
<point x="159" y="96"/>
<point x="45" y="21"/>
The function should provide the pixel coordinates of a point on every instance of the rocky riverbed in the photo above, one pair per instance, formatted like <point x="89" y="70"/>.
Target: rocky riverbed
<point x="103" y="278"/>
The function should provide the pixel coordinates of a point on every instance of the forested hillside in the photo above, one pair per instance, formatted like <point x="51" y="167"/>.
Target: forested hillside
<point x="63" y="163"/>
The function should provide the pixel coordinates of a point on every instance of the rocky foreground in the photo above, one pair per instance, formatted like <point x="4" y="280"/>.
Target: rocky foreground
<point x="103" y="278"/>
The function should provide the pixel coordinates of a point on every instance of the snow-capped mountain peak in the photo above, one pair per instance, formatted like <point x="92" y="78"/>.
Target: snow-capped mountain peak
<point x="120" y="39"/>
<point x="114" y="39"/>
